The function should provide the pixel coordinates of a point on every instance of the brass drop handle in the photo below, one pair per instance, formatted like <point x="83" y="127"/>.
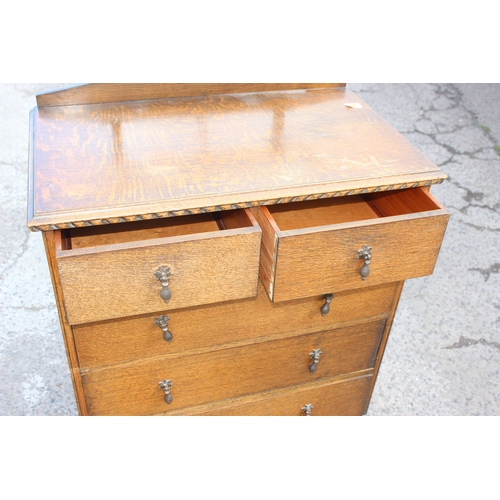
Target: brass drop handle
<point x="314" y="355"/>
<point x="366" y="254"/>
<point x="307" y="409"/>
<point x="162" y="274"/>
<point x="325" y="308"/>
<point x="162" y="322"/>
<point x="166" y="385"/>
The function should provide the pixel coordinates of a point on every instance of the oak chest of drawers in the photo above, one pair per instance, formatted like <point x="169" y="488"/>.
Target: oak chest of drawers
<point x="227" y="249"/>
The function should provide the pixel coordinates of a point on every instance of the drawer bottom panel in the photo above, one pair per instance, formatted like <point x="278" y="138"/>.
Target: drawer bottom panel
<point x="340" y="398"/>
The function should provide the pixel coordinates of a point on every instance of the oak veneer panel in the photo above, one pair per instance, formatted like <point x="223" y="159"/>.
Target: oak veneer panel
<point x="340" y="398"/>
<point x="218" y="375"/>
<point x="86" y="237"/>
<point x="385" y="336"/>
<point x="244" y="321"/>
<point x="409" y="201"/>
<point x="303" y="262"/>
<point x="111" y="281"/>
<point x="321" y="212"/>
<point x="159" y="158"/>
<point x="67" y="333"/>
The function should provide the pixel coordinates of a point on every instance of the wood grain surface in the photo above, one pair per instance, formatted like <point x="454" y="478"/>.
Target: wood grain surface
<point x="96" y="93"/>
<point x="114" y="234"/>
<point x="67" y="332"/>
<point x="308" y="261"/>
<point x="111" y="281"/>
<point x="233" y="372"/>
<point x="116" y="162"/>
<point x="223" y="325"/>
<point x="291" y="216"/>
<point x="385" y="336"/>
<point x="340" y="398"/>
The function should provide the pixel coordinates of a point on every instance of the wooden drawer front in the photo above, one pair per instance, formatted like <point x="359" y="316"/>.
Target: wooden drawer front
<point x="340" y="398"/>
<point x="218" y="375"/>
<point x="204" y="327"/>
<point x="114" y="280"/>
<point x="312" y="247"/>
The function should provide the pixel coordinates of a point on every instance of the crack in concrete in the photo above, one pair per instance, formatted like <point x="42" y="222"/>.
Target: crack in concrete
<point x="452" y="93"/>
<point x="480" y="228"/>
<point x="486" y="130"/>
<point x="15" y="164"/>
<point x="495" y="268"/>
<point x="494" y="208"/>
<point x="33" y="308"/>
<point x="23" y="247"/>
<point x="455" y="97"/>
<point x="471" y="196"/>
<point x="465" y="342"/>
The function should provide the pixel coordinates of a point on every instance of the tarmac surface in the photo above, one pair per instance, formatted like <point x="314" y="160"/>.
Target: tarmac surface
<point x="443" y="355"/>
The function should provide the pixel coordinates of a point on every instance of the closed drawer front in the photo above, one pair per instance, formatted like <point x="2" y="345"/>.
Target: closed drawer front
<point x="320" y="246"/>
<point x="109" y="272"/>
<point x="204" y="327"/>
<point x="339" y="398"/>
<point x="228" y="373"/>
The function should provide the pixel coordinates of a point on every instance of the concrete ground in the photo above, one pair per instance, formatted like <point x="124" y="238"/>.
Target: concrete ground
<point x="443" y="356"/>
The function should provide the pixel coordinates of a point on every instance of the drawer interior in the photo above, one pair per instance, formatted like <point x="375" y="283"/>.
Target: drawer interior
<point x="110" y="234"/>
<point x="291" y="216"/>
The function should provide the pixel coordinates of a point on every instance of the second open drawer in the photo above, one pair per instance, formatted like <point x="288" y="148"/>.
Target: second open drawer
<point x="324" y="246"/>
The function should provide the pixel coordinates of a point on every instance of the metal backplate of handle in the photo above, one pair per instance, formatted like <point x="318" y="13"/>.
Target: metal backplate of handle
<point x="307" y="409"/>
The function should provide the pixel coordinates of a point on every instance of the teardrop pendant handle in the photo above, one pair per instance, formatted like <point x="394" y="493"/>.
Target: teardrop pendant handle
<point x="166" y="385"/>
<point x="162" y="322"/>
<point x="314" y="355"/>
<point x="325" y="308"/>
<point x="365" y="253"/>
<point x="162" y="274"/>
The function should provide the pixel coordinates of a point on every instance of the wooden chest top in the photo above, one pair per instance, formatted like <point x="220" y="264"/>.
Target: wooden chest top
<point x="108" y="162"/>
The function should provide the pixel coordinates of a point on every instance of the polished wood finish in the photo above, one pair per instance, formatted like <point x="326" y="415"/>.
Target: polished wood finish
<point x="218" y="375"/>
<point x="320" y="258"/>
<point x="95" y="164"/>
<point x="228" y="324"/>
<point x="111" y="281"/>
<point x="338" y="398"/>
<point x="69" y="342"/>
<point x="385" y="336"/>
<point x="223" y="183"/>
<point x="97" y="93"/>
<point x="290" y="216"/>
<point x="89" y="237"/>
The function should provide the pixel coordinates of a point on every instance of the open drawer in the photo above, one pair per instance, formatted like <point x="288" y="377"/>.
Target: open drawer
<point x="324" y="246"/>
<point x="115" y="270"/>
